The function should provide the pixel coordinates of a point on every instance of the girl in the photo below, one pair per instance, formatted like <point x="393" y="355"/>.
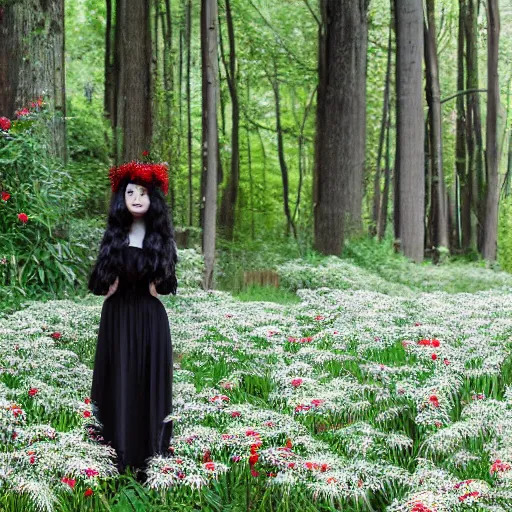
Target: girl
<point x="132" y="381"/>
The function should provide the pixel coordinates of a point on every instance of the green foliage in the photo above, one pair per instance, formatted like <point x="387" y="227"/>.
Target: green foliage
<point x="37" y="258"/>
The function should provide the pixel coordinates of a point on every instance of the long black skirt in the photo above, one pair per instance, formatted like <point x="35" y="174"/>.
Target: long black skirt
<point x="132" y="382"/>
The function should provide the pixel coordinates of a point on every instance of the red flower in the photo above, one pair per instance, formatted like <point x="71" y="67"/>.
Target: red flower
<point x="14" y="435"/>
<point x="446" y="362"/>
<point x="69" y="481"/>
<point x="210" y="466"/>
<point x="23" y="217"/>
<point x="87" y="414"/>
<point x="5" y="124"/>
<point x="316" y="402"/>
<point x="5" y="195"/>
<point x="22" y="112"/>
<point x="32" y="459"/>
<point x="319" y="317"/>
<point x="235" y="414"/>
<point x="499" y="466"/>
<point x="253" y="459"/>
<point x="91" y="472"/>
<point x="435" y="343"/>
<point x="32" y="391"/>
<point x="291" y="465"/>
<point x="206" y="456"/>
<point x="425" y="343"/>
<point x="87" y="401"/>
<point x="434" y="400"/>
<point x="145" y="172"/>
<point x="288" y="443"/>
<point x="56" y="335"/>
<point x="145" y="152"/>
<point x="88" y="492"/>
<point x="434" y="357"/>
<point x="296" y="382"/>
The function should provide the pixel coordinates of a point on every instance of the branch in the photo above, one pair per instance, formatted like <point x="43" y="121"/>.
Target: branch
<point x="319" y="23"/>
<point x="468" y="91"/>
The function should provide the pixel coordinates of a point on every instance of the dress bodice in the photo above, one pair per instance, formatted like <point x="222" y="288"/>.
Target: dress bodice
<point x="132" y="278"/>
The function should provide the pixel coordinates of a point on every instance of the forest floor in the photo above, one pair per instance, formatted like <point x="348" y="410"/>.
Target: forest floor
<point x="347" y="398"/>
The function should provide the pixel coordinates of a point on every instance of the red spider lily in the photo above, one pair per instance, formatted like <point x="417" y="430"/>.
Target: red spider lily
<point x="236" y="414"/>
<point x="434" y="400"/>
<point x="87" y="401"/>
<point x="5" y="195"/>
<point x="69" y="481"/>
<point x="22" y="112"/>
<point x="473" y="494"/>
<point x="219" y="399"/>
<point x="499" y="466"/>
<point x="33" y="391"/>
<point x="317" y="401"/>
<point x="419" y="507"/>
<point x="251" y="432"/>
<point x="210" y="466"/>
<point x="23" y="217"/>
<point x="446" y="362"/>
<point x="434" y="357"/>
<point x="236" y="458"/>
<point x="86" y="414"/>
<point x="302" y="407"/>
<point x="206" y="456"/>
<point x="296" y="382"/>
<point x="319" y="317"/>
<point x="56" y="335"/>
<point x="331" y="480"/>
<point x="145" y="153"/>
<point x="88" y="492"/>
<point x="460" y="484"/>
<point x="269" y="424"/>
<point x="5" y="124"/>
<point x="91" y="472"/>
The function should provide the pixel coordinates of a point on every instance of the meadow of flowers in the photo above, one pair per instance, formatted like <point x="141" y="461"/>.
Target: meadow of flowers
<point x="352" y="399"/>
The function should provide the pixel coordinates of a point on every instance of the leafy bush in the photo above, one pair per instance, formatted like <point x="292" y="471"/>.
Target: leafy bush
<point x="36" y="257"/>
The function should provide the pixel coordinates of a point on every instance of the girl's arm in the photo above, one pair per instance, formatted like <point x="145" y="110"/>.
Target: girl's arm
<point x="112" y="289"/>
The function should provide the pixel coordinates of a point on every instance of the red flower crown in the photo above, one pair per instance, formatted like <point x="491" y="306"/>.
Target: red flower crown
<point x="144" y="172"/>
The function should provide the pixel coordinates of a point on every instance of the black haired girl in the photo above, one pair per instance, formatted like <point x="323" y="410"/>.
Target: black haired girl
<point x="132" y="381"/>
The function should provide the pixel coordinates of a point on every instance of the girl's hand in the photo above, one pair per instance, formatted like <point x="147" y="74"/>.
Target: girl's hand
<point x="112" y="289"/>
<point x="152" y="290"/>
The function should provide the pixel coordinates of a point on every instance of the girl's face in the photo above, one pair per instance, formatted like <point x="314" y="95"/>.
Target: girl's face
<point x="137" y="200"/>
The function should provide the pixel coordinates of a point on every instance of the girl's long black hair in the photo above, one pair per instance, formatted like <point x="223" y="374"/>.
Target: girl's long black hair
<point x="159" y="247"/>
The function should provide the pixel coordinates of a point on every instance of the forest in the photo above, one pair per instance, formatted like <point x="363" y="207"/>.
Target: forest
<point x="340" y="189"/>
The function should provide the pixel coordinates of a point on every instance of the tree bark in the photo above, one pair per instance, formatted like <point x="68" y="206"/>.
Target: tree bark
<point x="410" y="127"/>
<point x="188" y="37"/>
<point x="489" y="248"/>
<point x="476" y="173"/>
<point x="210" y="210"/>
<point x="341" y="122"/>
<point x="274" y="80"/>
<point x="465" y="182"/>
<point x="228" y="203"/>
<point x="377" y="198"/>
<point x="32" y="62"/>
<point x="440" y="231"/>
<point x="134" y="99"/>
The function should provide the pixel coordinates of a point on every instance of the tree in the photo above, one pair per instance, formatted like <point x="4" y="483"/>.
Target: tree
<point x="35" y="29"/>
<point x="410" y="185"/>
<point x="439" y="217"/>
<point x="489" y="247"/>
<point x="132" y="117"/>
<point x="340" y="122"/>
<point x="228" y="204"/>
<point x="209" y="41"/>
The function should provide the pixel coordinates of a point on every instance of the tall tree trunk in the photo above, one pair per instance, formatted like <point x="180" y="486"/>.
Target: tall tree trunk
<point x="32" y="62"/>
<point x="489" y="248"/>
<point x="465" y="181"/>
<point x="436" y="137"/>
<point x="410" y="127"/>
<point x="109" y="69"/>
<point x="377" y="198"/>
<point x="476" y="171"/>
<point x="188" y="37"/>
<point x="341" y="122"/>
<point x="274" y="80"/>
<point x="228" y="204"/>
<point x="210" y="213"/>
<point x="135" y="103"/>
<point x="383" y="210"/>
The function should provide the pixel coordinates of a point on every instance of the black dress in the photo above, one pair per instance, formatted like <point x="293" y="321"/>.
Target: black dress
<point x="132" y="381"/>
